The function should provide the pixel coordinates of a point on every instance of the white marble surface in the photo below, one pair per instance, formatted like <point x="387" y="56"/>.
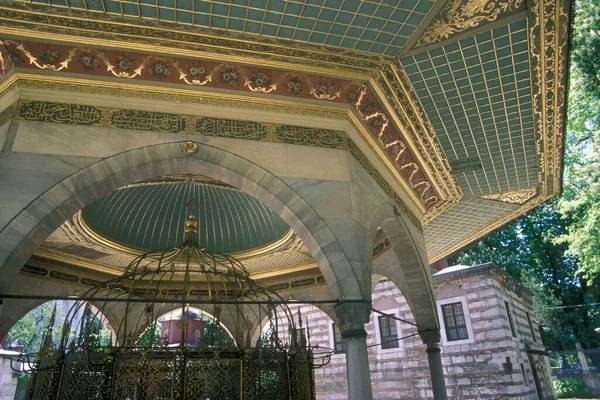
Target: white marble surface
<point x="3" y="132"/>
<point x="37" y="137"/>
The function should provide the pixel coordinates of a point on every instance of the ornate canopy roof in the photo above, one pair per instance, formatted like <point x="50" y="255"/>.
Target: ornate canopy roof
<point x="151" y="215"/>
<point x="457" y="106"/>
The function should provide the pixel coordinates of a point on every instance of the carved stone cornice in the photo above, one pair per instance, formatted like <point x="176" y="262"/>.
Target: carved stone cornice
<point x="86" y="115"/>
<point x="461" y="15"/>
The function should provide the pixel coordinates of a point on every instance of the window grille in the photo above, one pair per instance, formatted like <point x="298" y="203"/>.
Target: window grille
<point x="510" y="320"/>
<point x="454" y="320"/>
<point x="388" y="333"/>
<point x="338" y="342"/>
<point x="531" y="330"/>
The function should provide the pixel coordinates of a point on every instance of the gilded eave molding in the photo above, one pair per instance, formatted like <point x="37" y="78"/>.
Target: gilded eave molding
<point x="89" y="28"/>
<point x="425" y="172"/>
<point x="548" y="25"/>
<point x="88" y="115"/>
<point x="373" y="119"/>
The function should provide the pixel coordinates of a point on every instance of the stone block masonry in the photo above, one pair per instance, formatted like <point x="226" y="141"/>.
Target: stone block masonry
<point x="488" y="364"/>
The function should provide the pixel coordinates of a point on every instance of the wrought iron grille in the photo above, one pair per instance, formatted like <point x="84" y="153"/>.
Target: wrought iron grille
<point x="139" y="364"/>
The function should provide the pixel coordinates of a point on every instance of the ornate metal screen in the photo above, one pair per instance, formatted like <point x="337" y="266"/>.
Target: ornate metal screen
<point x="166" y="374"/>
<point x="139" y="364"/>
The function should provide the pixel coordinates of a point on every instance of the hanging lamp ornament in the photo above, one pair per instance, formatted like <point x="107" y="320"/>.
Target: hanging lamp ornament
<point x="166" y="349"/>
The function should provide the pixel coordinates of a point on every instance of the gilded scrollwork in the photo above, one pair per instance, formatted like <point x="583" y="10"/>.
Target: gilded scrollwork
<point x="49" y="56"/>
<point x="147" y="121"/>
<point x="19" y="15"/>
<point x="232" y="129"/>
<point x="377" y="177"/>
<point x="3" y="63"/>
<point x="512" y="197"/>
<point x="549" y="55"/>
<point x="410" y="114"/>
<point x="460" y="15"/>
<point x="240" y="77"/>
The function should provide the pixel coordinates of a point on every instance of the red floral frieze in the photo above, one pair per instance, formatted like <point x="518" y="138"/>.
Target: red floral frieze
<point x="198" y="72"/>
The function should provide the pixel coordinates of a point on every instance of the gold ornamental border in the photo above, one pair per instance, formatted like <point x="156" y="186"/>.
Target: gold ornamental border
<point x="87" y="272"/>
<point x="103" y="116"/>
<point x="548" y="37"/>
<point x="417" y="163"/>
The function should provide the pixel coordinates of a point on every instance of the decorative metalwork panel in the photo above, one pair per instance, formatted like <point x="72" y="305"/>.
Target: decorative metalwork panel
<point x="42" y="386"/>
<point x="162" y="357"/>
<point x="144" y="375"/>
<point x="213" y="376"/>
<point x="82" y="376"/>
<point x="177" y="373"/>
<point x="265" y="378"/>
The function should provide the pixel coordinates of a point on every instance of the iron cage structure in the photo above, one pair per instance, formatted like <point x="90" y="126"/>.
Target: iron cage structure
<point x="139" y="363"/>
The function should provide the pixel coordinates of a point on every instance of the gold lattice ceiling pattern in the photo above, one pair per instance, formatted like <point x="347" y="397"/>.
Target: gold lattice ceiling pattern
<point x="381" y="27"/>
<point x="477" y="95"/>
<point x="485" y="79"/>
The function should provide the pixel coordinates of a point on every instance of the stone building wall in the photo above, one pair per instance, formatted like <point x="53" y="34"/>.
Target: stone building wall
<point x="8" y="381"/>
<point x="489" y="364"/>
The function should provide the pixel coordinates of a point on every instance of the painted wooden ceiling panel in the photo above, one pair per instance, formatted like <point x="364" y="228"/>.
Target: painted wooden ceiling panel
<point x="381" y="27"/>
<point x="152" y="217"/>
<point x="477" y="95"/>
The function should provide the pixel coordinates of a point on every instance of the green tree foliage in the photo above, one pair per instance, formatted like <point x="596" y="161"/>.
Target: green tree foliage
<point x="29" y="332"/>
<point x="527" y="249"/>
<point x="580" y="203"/>
<point x="586" y="44"/>
<point x="503" y="247"/>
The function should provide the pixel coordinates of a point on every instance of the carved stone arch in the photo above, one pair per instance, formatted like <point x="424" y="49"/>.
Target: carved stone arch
<point x="410" y="269"/>
<point x="32" y="225"/>
<point x="449" y="290"/>
<point x="385" y="303"/>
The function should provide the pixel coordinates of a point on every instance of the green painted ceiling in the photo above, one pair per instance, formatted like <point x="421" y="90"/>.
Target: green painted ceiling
<point x="381" y="27"/>
<point x="152" y="217"/>
<point x="477" y="94"/>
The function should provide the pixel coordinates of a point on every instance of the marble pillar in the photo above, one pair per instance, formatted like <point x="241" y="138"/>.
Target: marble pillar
<point x="431" y="340"/>
<point x="353" y="316"/>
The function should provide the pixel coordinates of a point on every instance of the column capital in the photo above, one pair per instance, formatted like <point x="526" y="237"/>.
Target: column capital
<point x="353" y="315"/>
<point x="431" y="338"/>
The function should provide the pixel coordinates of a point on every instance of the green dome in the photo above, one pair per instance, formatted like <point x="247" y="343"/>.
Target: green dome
<point x="152" y="216"/>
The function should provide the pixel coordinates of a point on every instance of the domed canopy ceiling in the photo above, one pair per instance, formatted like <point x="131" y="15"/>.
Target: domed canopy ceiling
<point x="151" y="216"/>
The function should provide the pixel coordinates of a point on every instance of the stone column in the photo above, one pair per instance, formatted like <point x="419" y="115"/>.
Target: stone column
<point x="582" y="359"/>
<point x="353" y="316"/>
<point x="431" y="340"/>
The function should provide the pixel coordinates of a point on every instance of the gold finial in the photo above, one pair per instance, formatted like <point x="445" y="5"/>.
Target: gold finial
<point x="191" y="225"/>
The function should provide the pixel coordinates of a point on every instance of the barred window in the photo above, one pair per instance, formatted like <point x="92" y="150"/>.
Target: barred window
<point x="454" y="320"/>
<point x="388" y="332"/>
<point x="525" y="377"/>
<point x="531" y="330"/>
<point x="510" y="320"/>
<point x="338" y="342"/>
